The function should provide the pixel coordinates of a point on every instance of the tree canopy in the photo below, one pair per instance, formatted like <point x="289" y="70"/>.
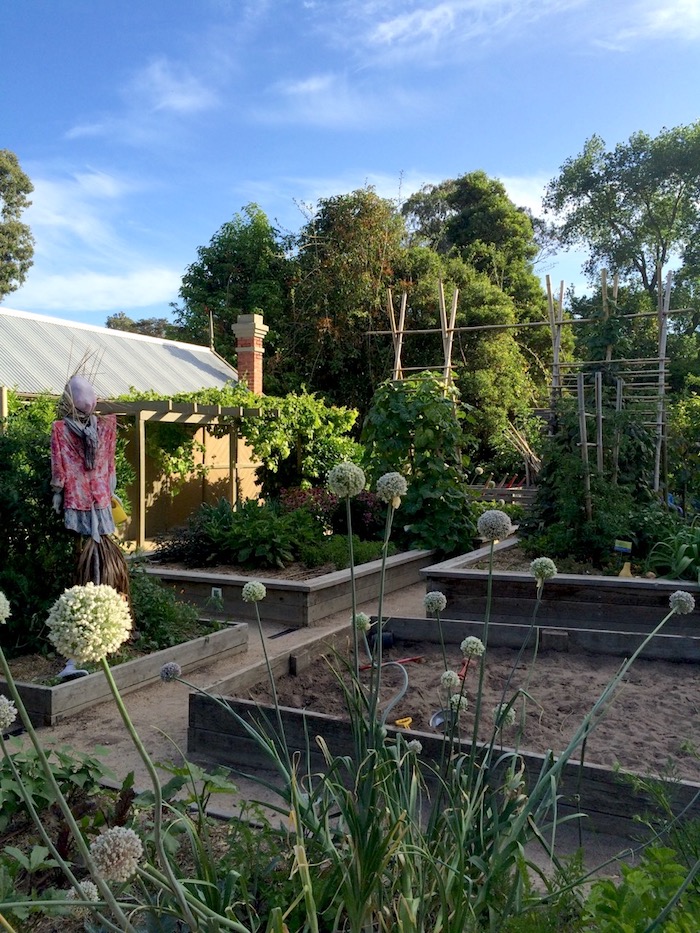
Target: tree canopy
<point x="635" y="207"/>
<point x="16" y="241"/>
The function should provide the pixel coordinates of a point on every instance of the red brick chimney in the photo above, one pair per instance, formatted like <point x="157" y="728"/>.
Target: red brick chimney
<point x="250" y="331"/>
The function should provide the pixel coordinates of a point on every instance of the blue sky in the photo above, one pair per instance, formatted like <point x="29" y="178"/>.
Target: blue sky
<point x="145" y="126"/>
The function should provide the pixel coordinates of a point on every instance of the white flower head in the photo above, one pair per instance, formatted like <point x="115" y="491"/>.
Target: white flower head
<point x="472" y="647"/>
<point x="503" y="716"/>
<point x="435" y="601"/>
<point x="5" y="611"/>
<point x="494" y="525"/>
<point x="458" y="703"/>
<point x="414" y="746"/>
<point x="8" y="713"/>
<point x="346" y="480"/>
<point x="253" y="592"/>
<point x="681" y="602"/>
<point x="543" y="568"/>
<point x="391" y="487"/>
<point x="450" y="681"/>
<point x="89" y="890"/>
<point x="363" y="623"/>
<point x="171" y="670"/>
<point x="117" y="853"/>
<point x="88" y="622"/>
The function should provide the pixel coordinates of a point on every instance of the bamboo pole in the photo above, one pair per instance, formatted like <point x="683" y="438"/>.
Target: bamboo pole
<point x="4" y="408"/>
<point x="664" y="304"/>
<point x="583" y="431"/>
<point x="450" y="338"/>
<point x="599" y="419"/>
<point x="616" y="441"/>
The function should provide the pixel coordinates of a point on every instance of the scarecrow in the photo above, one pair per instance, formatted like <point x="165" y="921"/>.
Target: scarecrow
<point x="83" y="479"/>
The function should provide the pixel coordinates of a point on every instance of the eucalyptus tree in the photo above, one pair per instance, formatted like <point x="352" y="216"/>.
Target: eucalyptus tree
<point x="633" y="208"/>
<point x="16" y="240"/>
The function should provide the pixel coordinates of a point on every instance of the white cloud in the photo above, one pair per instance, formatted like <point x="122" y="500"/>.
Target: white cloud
<point x="657" y="19"/>
<point x="83" y="290"/>
<point x="165" y="86"/>
<point x="330" y="100"/>
<point x="526" y="190"/>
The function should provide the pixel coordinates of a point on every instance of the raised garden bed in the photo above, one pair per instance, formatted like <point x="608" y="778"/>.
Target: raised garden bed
<point x="47" y="705"/>
<point x="624" y="605"/>
<point x="296" y="603"/>
<point x="608" y="802"/>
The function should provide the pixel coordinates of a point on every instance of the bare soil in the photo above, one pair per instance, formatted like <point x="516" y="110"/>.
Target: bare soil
<point x="652" y="727"/>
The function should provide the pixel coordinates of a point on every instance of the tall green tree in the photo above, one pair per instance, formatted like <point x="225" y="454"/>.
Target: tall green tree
<point x="16" y="240"/>
<point x="243" y="270"/>
<point x="347" y="254"/>
<point x="633" y="208"/>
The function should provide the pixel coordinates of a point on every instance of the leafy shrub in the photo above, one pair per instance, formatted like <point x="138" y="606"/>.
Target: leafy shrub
<point x="367" y="514"/>
<point x="334" y="550"/>
<point x="251" y="535"/>
<point x="677" y="555"/>
<point x="643" y="893"/>
<point x="318" y="502"/>
<point x="160" y="618"/>
<point x="413" y="428"/>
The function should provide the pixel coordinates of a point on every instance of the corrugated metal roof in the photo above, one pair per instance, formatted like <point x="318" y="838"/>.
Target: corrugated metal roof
<point x="39" y="354"/>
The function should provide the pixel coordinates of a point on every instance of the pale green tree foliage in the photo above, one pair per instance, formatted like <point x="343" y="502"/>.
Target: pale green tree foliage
<point x="16" y="241"/>
<point x="633" y="208"/>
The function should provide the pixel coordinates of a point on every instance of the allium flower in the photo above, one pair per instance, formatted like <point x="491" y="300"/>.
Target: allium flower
<point x="253" y="592"/>
<point x="435" y="601"/>
<point x="89" y="889"/>
<point x="479" y="471"/>
<point x="5" y="612"/>
<point x="458" y="703"/>
<point x="86" y="623"/>
<point x="494" y="525"/>
<point x="450" y="681"/>
<point x="503" y="716"/>
<point x="543" y="568"/>
<point x="391" y="487"/>
<point x="117" y="853"/>
<point x="171" y="670"/>
<point x="414" y="746"/>
<point x="8" y="713"/>
<point x="472" y="647"/>
<point x="346" y="480"/>
<point x="363" y="622"/>
<point x="681" y="602"/>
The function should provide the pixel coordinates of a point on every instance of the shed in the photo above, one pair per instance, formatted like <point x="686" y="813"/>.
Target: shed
<point x="39" y="353"/>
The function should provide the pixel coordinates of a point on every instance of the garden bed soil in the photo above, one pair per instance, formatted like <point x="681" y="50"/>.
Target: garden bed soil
<point x="652" y="727"/>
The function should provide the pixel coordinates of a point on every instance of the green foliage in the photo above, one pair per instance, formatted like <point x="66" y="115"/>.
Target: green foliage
<point x="634" y="207"/>
<point x="334" y="549"/>
<point x="160" y="618"/>
<point x="684" y="449"/>
<point x="77" y="774"/>
<point x="243" y="270"/>
<point x="414" y="428"/>
<point x="558" y="523"/>
<point x="16" y="240"/>
<point x="677" y="555"/>
<point x="632" y="905"/>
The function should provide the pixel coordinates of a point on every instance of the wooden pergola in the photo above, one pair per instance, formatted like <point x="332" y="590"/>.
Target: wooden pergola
<point x="191" y="413"/>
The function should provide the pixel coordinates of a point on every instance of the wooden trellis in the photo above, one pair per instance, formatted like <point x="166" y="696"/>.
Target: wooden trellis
<point x="641" y="381"/>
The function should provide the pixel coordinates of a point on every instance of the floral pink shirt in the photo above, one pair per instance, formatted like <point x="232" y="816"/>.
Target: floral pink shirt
<point x="83" y="488"/>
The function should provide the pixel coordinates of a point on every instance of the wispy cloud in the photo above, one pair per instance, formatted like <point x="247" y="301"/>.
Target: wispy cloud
<point x="333" y="100"/>
<point x="83" y="260"/>
<point x="85" y="290"/>
<point x="166" y="86"/>
<point x="656" y="20"/>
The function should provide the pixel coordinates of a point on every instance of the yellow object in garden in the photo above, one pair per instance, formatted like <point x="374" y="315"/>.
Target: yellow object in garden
<point x="626" y="570"/>
<point x="118" y="513"/>
<point x="404" y="723"/>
